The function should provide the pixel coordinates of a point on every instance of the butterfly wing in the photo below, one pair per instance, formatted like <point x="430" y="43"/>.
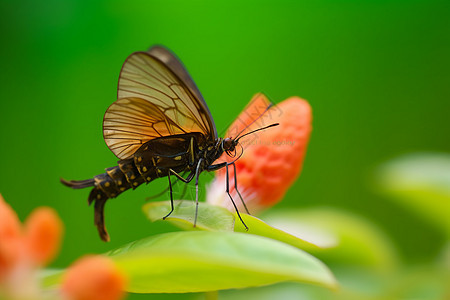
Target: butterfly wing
<point x="156" y="98"/>
<point x="174" y="64"/>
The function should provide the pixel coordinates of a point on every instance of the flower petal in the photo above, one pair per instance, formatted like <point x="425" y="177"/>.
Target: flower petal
<point x="43" y="234"/>
<point x="93" y="278"/>
<point x="10" y="238"/>
<point x="272" y="158"/>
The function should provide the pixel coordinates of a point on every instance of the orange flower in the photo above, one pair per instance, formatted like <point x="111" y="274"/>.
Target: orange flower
<point x="10" y="239"/>
<point x="24" y="250"/>
<point x="93" y="278"/>
<point x="42" y="236"/>
<point x="272" y="158"/>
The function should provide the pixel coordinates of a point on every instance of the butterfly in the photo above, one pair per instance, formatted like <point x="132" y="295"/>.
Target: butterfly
<point x="160" y="126"/>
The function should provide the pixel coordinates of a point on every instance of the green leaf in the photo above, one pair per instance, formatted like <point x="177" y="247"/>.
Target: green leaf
<point x="420" y="182"/>
<point x="355" y="284"/>
<point x="259" y="227"/>
<point x="199" y="261"/>
<point x="346" y="239"/>
<point x="217" y="218"/>
<point x="210" y="217"/>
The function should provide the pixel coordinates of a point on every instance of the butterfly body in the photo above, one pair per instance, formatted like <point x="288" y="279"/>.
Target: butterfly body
<point x="156" y="158"/>
<point x="159" y="126"/>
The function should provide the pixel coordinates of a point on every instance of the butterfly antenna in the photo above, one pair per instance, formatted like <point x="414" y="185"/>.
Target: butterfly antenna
<point x="262" y="128"/>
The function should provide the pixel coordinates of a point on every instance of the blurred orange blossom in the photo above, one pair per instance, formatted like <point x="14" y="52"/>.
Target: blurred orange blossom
<point x="272" y="158"/>
<point x="24" y="249"/>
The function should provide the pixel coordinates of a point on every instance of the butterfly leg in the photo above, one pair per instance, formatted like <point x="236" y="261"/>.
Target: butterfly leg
<point x="219" y="166"/>
<point x="162" y="192"/>
<point x="236" y="188"/>
<point x="197" y="174"/>
<point x="179" y="177"/>
<point x="216" y="167"/>
<point x="171" y="198"/>
<point x="185" y="180"/>
<point x="231" y="198"/>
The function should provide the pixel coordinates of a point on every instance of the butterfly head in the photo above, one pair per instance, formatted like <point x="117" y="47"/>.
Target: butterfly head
<point x="229" y="146"/>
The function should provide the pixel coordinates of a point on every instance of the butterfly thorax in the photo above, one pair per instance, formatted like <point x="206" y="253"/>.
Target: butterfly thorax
<point x="176" y="152"/>
<point x="212" y="151"/>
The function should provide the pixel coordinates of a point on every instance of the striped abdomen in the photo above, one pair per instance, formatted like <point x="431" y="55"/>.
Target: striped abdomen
<point x="119" y="179"/>
<point x="145" y="165"/>
<point x="110" y="184"/>
<point x="152" y="160"/>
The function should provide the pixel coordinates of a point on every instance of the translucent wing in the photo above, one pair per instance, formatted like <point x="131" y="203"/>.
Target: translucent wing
<point x="174" y="64"/>
<point x="156" y="98"/>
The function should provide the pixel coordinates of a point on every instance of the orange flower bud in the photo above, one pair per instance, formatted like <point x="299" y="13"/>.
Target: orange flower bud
<point x="10" y="238"/>
<point x="93" y="278"/>
<point x="272" y="158"/>
<point x="43" y="233"/>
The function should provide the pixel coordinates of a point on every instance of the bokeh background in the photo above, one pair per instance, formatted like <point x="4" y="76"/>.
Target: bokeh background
<point x="376" y="74"/>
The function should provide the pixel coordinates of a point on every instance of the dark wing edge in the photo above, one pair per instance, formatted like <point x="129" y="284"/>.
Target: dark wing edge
<point x="174" y="64"/>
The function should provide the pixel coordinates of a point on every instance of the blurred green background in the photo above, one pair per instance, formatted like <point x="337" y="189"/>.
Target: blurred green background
<point x="375" y="72"/>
